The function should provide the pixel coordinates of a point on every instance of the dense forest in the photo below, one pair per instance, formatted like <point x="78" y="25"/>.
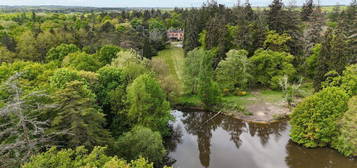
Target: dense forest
<point x="80" y="88"/>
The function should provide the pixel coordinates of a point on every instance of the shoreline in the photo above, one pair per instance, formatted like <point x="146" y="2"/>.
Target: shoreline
<point x="240" y="116"/>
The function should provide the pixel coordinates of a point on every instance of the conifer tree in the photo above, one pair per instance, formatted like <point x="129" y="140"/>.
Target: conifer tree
<point x="307" y="10"/>
<point x="334" y="55"/>
<point x="192" y="30"/>
<point x="78" y="113"/>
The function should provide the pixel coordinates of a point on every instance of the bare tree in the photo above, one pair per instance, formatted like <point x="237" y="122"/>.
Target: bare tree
<point x="22" y="133"/>
<point x="289" y="90"/>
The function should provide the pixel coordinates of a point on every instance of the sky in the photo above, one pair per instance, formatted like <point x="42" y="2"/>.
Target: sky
<point x="150" y="3"/>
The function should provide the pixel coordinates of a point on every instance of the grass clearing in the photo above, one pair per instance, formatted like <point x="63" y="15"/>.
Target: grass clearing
<point x="174" y="58"/>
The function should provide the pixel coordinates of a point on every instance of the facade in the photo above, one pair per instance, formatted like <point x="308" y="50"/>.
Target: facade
<point x="173" y="34"/>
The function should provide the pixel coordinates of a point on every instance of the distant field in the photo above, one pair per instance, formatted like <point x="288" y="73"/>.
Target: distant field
<point x="324" y="8"/>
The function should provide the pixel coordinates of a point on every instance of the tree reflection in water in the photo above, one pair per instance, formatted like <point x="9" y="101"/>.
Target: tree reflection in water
<point x="263" y="131"/>
<point x="201" y="124"/>
<point x="227" y="142"/>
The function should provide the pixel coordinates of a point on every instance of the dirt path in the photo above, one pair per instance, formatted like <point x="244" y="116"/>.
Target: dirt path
<point x="264" y="108"/>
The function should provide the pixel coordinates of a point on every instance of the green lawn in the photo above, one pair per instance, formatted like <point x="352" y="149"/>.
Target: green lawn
<point x="174" y="58"/>
<point x="269" y="96"/>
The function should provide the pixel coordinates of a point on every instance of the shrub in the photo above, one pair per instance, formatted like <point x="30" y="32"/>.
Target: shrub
<point x="346" y="142"/>
<point x="314" y="121"/>
<point x="141" y="142"/>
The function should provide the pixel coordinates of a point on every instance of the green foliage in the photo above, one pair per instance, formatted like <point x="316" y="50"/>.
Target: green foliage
<point x="141" y="142"/>
<point x="27" y="47"/>
<point x="109" y="78"/>
<point x="314" y="121"/>
<point x="148" y="105"/>
<point x="62" y="76"/>
<point x="334" y="55"/>
<point x="132" y="64"/>
<point x="111" y="96"/>
<point x="347" y="81"/>
<point x="271" y="66"/>
<point x="198" y="73"/>
<point x="107" y="53"/>
<point x="234" y="71"/>
<point x="58" y="53"/>
<point x="6" y="55"/>
<point x="286" y="20"/>
<point x="311" y="61"/>
<point x="346" y="142"/>
<point x="209" y="93"/>
<point x="80" y="158"/>
<point x="277" y="42"/>
<point x="81" y="61"/>
<point x="79" y="114"/>
<point x="34" y="75"/>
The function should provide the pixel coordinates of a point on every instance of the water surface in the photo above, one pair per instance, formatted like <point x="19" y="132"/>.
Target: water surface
<point x="202" y="140"/>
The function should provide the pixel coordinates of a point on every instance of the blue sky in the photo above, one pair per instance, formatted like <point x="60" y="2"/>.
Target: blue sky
<point x="149" y="3"/>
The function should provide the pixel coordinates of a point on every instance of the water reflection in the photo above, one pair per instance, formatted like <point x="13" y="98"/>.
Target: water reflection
<point x="206" y="140"/>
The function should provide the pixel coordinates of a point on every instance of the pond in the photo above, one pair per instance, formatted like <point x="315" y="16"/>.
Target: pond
<point x="204" y="139"/>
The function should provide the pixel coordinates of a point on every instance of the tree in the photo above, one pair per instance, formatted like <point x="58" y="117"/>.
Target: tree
<point x="289" y="90"/>
<point x="311" y="61"/>
<point x="78" y="113"/>
<point x="141" y="142"/>
<point x="7" y="41"/>
<point x="6" y="55"/>
<point x="313" y="33"/>
<point x="334" y="55"/>
<point x="234" y="71"/>
<point x="286" y="21"/>
<point x="275" y="15"/>
<point x="22" y="130"/>
<point x="62" y="76"/>
<point x="107" y="53"/>
<point x="249" y="35"/>
<point x="27" y="47"/>
<point x="307" y="10"/>
<point x="45" y="41"/>
<point x="346" y="142"/>
<point x="34" y="76"/>
<point x="314" y="121"/>
<point x="81" y="61"/>
<point x="132" y="64"/>
<point x="58" y="53"/>
<point x="216" y="38"/>
<point x="346" y="81"/>
<point x="277" y="42"/>
<point x="271" y="66"/>
<point x="81" y="157"/>
<point x="192" y="70"/>
<point x="198" y="72"/>
<point x="147" y="104"/>
<point x="111" y="96"/>
<point x="192" y="30"/>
